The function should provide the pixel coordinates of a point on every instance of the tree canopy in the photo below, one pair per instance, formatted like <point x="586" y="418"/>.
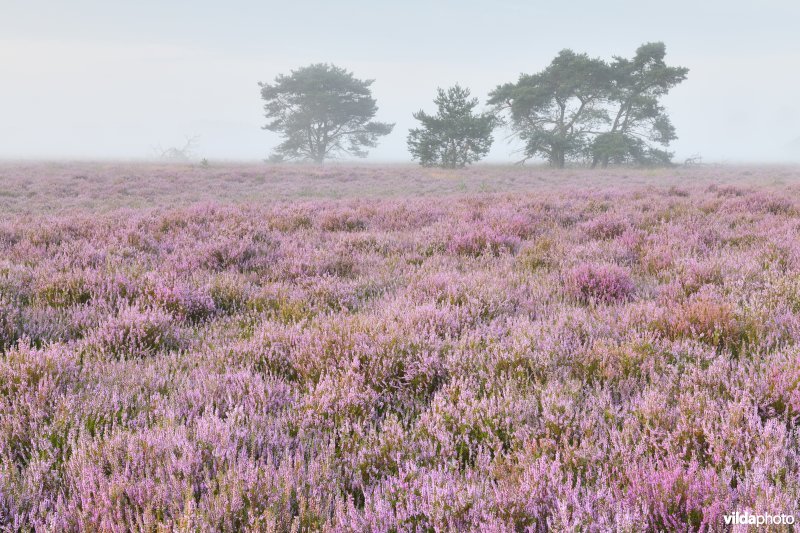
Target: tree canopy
<point x="456" y="135"/>
<point x="322" y="111"/>
<point x="639" y="119"/>
<point x="554" y="110"/>
<point x="564" y="113"/>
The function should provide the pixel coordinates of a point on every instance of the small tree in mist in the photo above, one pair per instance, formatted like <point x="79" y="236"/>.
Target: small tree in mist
<point x="177" y="154"/>
<point x="456" y="136"/>
<point x="322" y="111"/>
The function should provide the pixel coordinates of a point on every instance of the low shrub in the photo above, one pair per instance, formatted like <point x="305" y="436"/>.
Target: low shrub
<point x="603" y="283"/>
<point x="135" y="332"/>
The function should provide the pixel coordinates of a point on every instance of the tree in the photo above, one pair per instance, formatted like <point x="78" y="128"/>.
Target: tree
<point x="555" y="111"/>
<point x="456" y="136"/>
<point x="178" y="155"/>
<point x="322" y="110"/>
<point x="639" y="119"/>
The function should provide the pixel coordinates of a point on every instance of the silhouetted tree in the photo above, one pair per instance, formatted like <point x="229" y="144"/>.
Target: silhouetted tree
<point x="555" y="111"/>
<point x="176" y="154"/>
<point x="322" y="110"/>
<point x="580" y="108"/>
<point x="455" y="136"/>
<point x="639" y="120"/>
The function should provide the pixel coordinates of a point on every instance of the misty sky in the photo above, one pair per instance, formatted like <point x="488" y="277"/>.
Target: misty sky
<point x="106" y="79"/>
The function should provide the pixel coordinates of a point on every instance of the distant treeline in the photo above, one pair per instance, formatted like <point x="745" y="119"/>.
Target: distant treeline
<point x="578" y="110"/>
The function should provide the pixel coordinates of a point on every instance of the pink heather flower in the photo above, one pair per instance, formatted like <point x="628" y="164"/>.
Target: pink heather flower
<point x="225" y="355"/>
<point x="184" y="301"/>
<point x="9" y="328"/>
<point x="605" y="226"/>
<point x="600" y="282"/>
<point x="136" y="333"/>
<point x="477" y="241"/>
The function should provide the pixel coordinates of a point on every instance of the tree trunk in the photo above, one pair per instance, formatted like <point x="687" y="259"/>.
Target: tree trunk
<point x="558" y="158"/>
<point x="320" y="157"/>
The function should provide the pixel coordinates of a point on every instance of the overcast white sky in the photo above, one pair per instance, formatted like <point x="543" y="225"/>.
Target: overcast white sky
<point x="106" y="79"/>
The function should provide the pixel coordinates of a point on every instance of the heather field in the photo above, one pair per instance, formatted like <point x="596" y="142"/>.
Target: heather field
<point x="257" y="348"/>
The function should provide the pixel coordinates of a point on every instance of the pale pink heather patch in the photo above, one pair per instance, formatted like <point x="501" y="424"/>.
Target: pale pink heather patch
<point x="259" y="348"/>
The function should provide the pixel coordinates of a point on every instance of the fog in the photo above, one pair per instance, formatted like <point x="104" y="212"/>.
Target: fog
<point x="99" y="79"/>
